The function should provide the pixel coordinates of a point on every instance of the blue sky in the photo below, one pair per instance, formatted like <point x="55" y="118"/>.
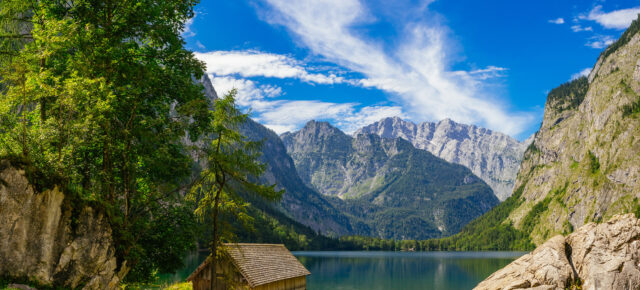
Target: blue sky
<point x="353" y="62"/>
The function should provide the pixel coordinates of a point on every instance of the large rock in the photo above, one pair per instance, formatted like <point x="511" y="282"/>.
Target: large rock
<point x="596" y="256"/>
<point x="43" y="238"/>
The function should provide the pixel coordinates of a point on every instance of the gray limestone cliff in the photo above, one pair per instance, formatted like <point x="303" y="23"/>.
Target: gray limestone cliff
<point x="43" y="238"/>
<point x="584" y="164"/>
<point x="492" y="156"/>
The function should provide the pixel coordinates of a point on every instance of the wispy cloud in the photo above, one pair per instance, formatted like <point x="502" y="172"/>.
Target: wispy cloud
<point x="583" y="73"/>
<point x="256" y="63"/>
<point x="417" y="72"/>
<point x="579" y="28"/>
<point x="557" y="21"/>
<point x="289" y="115"/>
<point x="188" y="32"/>
<point x="617" y="19"/>
<point x="600" y="41"/>
<point x="489" y="72"/>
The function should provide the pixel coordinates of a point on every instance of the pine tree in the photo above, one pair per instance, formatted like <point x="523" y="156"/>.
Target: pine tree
<point x="232" y="167"/>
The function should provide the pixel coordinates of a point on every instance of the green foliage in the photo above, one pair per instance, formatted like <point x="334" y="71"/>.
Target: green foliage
<point x="531" y="151"/>
<point x="488" y="232"/>
<point x="594" y="163"/>
<point x="96" y="98"/>
<point x="15" y="29"/>
<point x="162" y="251"/>
<point x="574" y="164"/>
<point x="570" y="95"/>
<point x="632" y="108"/>
<point x="624" y="39"/>
<point x="533" y="216"/>
<point x="636" y="207"/>
<point x="232" y="167"/>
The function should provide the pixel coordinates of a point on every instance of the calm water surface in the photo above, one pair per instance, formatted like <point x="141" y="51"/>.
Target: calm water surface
<point x="401" y="270"/>
<point x="386" y="270"/>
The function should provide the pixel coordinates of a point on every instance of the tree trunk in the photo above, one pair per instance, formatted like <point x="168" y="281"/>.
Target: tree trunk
<point x="214" y="243"/>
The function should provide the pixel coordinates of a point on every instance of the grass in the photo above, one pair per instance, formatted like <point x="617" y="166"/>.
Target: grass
<point x="180" y="286"/>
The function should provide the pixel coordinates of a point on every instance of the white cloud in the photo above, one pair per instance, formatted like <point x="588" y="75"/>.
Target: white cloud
<point x="583" y="73"/>
<point x="417" y="72"/>
<point x="368" y="115"/>
<point x="557" y="21"/>
<point x="188" y="30"/>
<point x="600" y="41"/>
<point x="286" y="115"/>
<point x="486" y="73"/>
<point x="249" y="94"/>
<point x="256" y="63"/>
<point x="578" y="28"/>
<point x="617" y="19"/>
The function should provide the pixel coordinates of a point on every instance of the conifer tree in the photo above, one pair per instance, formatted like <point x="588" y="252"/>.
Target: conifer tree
<point x="232" y="168"/>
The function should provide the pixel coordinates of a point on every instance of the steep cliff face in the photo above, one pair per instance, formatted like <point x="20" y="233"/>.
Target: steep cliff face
<point x="584" y="164"/>
<point x="299" y="202"/>
<point x="493" y="156"/>
<point x="387" y="186"/>
<point x="604" y="256"/>
<point x="44" y="239"/>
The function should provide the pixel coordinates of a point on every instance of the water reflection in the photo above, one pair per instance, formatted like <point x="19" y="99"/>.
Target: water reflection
<point x="401" y="270"/>
<point x="385" y="270"/>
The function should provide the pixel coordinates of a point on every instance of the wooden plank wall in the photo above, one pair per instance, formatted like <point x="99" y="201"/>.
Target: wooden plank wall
<point x="203" y="280"/>
<point x="299" y="283"/>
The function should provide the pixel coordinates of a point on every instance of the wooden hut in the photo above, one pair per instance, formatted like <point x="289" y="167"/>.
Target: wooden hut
<point x="253" y="266"/>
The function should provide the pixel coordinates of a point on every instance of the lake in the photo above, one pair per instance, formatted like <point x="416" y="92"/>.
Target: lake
<point x="387" y="270"/>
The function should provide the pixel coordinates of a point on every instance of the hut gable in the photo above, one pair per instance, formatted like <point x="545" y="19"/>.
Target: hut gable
<point x="260" y="264"/>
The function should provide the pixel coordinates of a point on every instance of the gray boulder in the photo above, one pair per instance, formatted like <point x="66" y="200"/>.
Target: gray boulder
<point x="596" y="256"/>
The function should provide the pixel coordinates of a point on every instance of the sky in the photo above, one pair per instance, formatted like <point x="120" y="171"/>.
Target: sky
<point x="353" y="62"/>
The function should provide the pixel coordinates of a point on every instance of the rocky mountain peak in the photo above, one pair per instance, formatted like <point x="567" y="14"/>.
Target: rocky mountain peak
<point x="493" y="156"/>
<point x="375" y="177"/>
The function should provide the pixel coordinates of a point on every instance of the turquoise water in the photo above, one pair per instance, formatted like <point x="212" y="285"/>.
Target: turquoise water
<point x="387" y="270"/>
<point x="401" y="270"/>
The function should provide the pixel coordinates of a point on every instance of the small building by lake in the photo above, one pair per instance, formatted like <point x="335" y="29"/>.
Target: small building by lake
<point x="253" y="266"/>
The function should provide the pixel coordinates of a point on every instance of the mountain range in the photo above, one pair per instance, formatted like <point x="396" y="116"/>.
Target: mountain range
<point x="389" y="188"/>
<point x="493" y="156"/>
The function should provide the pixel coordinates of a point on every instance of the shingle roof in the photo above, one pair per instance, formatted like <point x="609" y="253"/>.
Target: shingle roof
<point x="261" y="264"/>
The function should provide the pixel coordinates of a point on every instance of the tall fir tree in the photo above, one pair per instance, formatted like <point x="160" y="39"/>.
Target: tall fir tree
<point x="232" y="168"/>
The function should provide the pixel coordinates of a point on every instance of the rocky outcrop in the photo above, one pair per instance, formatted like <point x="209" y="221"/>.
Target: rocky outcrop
<point x="596" y="256"/>
<point x="492" y="156"/>
<point x="44" y="239"/>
